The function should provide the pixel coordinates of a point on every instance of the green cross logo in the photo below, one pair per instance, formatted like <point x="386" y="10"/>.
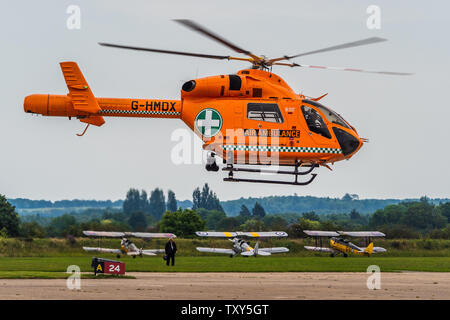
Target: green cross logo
<point x="208" y="122"/>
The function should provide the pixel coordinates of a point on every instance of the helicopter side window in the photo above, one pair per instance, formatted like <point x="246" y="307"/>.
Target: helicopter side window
<point x="315" y="122"/>
<point x="269" y="112"/>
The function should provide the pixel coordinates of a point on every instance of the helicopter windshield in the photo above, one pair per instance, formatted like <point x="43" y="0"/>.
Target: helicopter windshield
<point x="331" y="116"/>
<point x="315" y="122"/>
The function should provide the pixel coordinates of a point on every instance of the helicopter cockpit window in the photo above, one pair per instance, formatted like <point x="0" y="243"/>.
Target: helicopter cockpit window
<point x="315" y="122"/>
<point x="269" y="112"/>
<point x="331" y="116"/>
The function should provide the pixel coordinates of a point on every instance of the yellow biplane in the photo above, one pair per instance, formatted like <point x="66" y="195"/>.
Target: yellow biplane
<point x="339" y="244"/>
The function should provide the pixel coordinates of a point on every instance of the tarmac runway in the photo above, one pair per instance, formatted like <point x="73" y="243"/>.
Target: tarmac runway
<point x="255" y="286"/>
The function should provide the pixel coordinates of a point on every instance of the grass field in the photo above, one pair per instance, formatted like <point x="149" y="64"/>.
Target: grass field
<point x="49" y="258"/>
<point x="55" y="267"/>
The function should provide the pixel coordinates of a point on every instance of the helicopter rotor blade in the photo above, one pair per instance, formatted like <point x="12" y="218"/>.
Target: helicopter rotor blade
<point x="358" y="43"/>
<point x="342" y="69"/>
<point x="200" y="55"/>
<point x="198" y="28"/>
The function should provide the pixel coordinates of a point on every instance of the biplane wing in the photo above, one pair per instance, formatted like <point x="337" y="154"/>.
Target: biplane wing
<point x="154" y="251"/>
<point x="252" y="253"/>
<point x="150" y="235"/>
<point x="274" y="250"/>
<point x="137" y="253"/>
<point x="263" y="253"/>
<point x="319" y="249"/>
<point x="112" y="234"/>
<point x="148" y="253"/>
<point x="104" y="250"/>
<point x="316" y="233"/>
<point x="362" y="234"/>
<point x="115" y="234"/>
<point x="264" y="234"/>
<point x="216" y="250"/>
<point x="216" y="234"/>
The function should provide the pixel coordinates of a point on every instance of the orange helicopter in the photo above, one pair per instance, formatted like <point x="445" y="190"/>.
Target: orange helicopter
<point x="249" y="118"/>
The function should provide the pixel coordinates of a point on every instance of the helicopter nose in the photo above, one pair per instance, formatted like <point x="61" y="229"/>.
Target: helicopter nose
<point x="348" y="142"/>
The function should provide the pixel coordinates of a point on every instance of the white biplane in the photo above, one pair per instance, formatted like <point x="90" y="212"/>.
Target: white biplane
<point x="241" y="246"/>
<point x="126" y="245"/>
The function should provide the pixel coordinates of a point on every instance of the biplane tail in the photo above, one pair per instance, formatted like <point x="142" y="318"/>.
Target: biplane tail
<point x="369" y="249"/>
<point x="256" y="247"/>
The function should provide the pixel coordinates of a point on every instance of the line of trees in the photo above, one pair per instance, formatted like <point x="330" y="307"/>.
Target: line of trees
<point x="155" y="205"/>
<point x="141" y="212"/>
<point x="34" y="204"/>
<point x="9" y="219"/>
<point x="205" y="199"/>
<point x="410" y="219"/>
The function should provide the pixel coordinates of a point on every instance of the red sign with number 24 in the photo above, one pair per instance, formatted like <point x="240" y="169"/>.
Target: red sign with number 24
<point x="115" y="267"/>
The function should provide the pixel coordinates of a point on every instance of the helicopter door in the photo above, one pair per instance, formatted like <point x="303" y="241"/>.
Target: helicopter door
<point x="292" y="122"/>
<point x="264" y="117"/>
<point x="238" y="117"/>
<point x="318" y="130"/>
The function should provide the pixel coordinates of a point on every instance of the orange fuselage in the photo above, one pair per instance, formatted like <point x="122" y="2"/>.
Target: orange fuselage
<point x="253" y="114"/>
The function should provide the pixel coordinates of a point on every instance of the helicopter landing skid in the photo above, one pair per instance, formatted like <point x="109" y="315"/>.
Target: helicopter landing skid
<point x="231" y="170"/>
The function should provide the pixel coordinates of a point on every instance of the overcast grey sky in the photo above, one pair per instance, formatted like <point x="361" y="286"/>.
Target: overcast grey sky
<point x="405" y="118"/>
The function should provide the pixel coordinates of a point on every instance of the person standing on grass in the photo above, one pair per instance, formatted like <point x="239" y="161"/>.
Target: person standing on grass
<point x="171" y="249"/>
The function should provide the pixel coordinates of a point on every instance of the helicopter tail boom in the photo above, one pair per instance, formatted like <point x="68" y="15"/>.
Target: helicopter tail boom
<point x="81" y="103"/>
<point x="65" y="106"/>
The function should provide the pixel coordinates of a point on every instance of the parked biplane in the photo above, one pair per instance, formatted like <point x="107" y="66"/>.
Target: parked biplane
<point x="339" y="244"/>
<point x="250" y="118"/>
<point x="127" y="247"/>
<point x="241" y="246"/>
